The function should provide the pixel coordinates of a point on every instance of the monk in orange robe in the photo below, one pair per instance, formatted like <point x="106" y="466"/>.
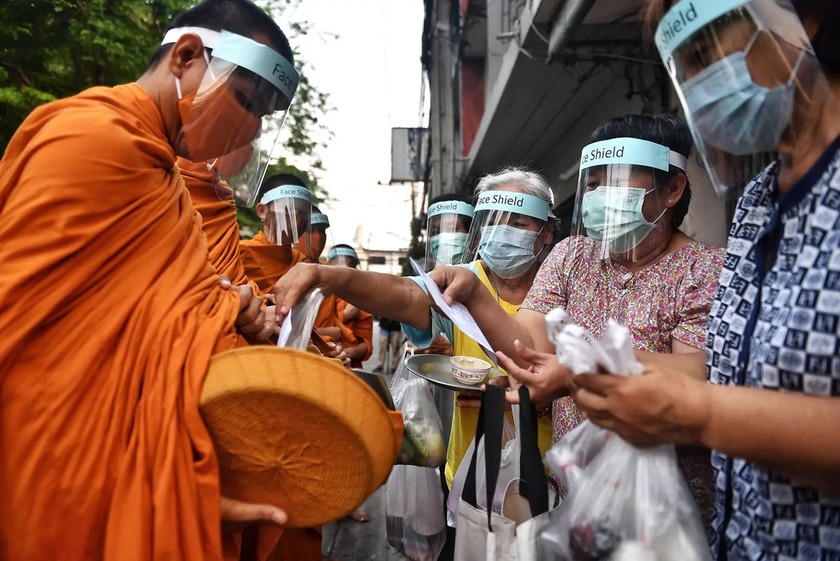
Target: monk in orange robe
<point x="270" y="254"/>
<point x="359" y="321"/>
<point x="213" y="200"/>
<point x="110" y="315"/>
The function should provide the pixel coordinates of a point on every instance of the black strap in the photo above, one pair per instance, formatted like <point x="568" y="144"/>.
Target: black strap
<point x="489" y="427"/>
<point x="533" y="484"/>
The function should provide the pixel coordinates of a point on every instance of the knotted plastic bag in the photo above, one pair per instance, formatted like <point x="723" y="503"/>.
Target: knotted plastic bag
<point x="624" y="503"/>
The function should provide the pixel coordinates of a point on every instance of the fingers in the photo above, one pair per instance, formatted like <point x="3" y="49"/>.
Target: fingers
<point x="241" y="512"/>
<point x="500" y="381"/>
<point x="290" y="289"/>
<point x="601" y="384"/>
<point x="468" y="402"/>
<point x="530" y="355"/>
<point x="225" y="282"/>
<point x="518" y="374"/>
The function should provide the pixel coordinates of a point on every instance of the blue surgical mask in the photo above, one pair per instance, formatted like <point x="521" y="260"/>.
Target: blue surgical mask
<point x="729" y="111"/>
<point x="613" y="216"/>
<point x="449" y="248"/>
<point x="508" y="251"/>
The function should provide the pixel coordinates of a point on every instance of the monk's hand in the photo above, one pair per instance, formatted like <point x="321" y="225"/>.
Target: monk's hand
<point x="293" y="286"/>
<point x="652" y="408"/>
<point x="269" y="320"/>
<point x="337" y="351"/>
<point x="456" y="283"/>
<point x="237" y="514"/>
<point x="251" y="321"/>
<point x="351" y="312"/>
<point x="545" y="378"/>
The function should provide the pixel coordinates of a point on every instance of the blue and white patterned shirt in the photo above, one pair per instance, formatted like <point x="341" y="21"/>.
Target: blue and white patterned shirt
<point x="775" y="325"/>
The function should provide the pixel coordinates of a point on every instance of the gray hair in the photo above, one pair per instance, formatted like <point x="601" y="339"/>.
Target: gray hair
<point x="530" y="182"/>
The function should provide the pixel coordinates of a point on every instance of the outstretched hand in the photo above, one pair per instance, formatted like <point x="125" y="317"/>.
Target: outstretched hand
<point x="293" y="286"/>
<point x="251" y="321"/>
<point x="652" y="408"/>
<point x="545" y="378"/>
<point x="456" y="283"/>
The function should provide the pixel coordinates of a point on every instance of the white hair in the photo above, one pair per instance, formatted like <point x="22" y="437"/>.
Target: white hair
<point x="530" y="182"/>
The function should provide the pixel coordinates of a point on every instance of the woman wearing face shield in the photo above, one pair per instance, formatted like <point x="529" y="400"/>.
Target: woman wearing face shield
<point x="626" y="260"/>
<point x="508" y="243"/>
<point x="772" y="410"/>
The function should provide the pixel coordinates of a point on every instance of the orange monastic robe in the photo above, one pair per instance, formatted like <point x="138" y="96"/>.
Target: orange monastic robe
<point x="214" y="202"/>
<point x="265" y="262"/>
<point x="362" y="328"/>
<point x="110" y="313"/>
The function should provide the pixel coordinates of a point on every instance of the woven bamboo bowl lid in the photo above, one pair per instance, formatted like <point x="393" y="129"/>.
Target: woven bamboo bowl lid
<point x="297" y="431"/>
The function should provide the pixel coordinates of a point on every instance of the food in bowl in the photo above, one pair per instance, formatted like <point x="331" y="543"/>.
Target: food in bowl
<point x="469" y="370"/>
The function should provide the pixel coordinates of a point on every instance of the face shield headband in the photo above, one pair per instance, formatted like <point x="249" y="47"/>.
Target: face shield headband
<point x="505" y="229"/>
<point x="736" y="66"/>
<point x="342" y="255"/>
<point x="447" y="229"/>
<point x="233" y="120"/>
<point x="288" y="209"/>
<point x="610" y="198"/>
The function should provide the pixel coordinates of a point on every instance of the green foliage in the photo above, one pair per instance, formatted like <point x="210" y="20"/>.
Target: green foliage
<point x="56" y="48"/>
<point x="51" y="49"/>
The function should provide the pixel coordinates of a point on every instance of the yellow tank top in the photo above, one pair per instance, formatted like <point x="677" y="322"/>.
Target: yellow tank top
<point x="464" y="421"/>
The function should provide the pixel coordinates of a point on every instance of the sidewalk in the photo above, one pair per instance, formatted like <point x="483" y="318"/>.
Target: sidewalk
<point x="354" y="541"/>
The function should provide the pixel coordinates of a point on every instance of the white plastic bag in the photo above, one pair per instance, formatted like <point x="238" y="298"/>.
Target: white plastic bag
<point x="623" y="503"/>
<point x="414" y="512"/>
<point x="296" y="330"/>
<point x="423" y="433"/>
<point x="508" y="471"/>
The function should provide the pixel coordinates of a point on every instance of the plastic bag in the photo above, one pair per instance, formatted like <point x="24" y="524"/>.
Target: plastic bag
<point x="508" y="471"/>
<point x="296" y="329"/>
<point x="414" y="512"/>
<point x="423" y="433"/>
<point x="624" y="503"/>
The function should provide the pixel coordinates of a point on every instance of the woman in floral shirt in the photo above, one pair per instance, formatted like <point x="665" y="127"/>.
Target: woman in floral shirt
<point x="640" y="271"/>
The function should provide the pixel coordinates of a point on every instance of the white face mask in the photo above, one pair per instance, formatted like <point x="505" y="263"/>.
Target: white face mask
<point x="508" y="251"/>
<point x="613" y="216"/>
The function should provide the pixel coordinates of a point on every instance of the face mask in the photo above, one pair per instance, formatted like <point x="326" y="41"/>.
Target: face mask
<point x="613" y="216"/>
<point x="508" y="251"/>
<point x="449" y="248"/>
<point x="216" y="126"/>
<point x="731" y="112"/>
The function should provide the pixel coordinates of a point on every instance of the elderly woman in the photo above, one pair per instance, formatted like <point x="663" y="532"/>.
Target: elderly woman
<point x="772" y="412"/>
<point x="511" y="232"/>
<point x="628" y="261"/>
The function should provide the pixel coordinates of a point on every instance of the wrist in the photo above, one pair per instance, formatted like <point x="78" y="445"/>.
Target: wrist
<point x="698" y="415"/>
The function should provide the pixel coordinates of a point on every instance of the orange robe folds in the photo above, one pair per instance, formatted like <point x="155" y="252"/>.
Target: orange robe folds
<point x="265" y="262"/>
<point x="214" y="202"/>
<point x="110" y="313"/>
<point x="362" y="328"/>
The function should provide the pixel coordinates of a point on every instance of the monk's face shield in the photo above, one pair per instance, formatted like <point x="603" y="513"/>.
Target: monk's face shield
<point x="233" y="121"/>
<point x="285" y="211"/>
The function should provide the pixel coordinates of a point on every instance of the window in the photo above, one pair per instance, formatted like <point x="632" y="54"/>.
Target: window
<point x="376" y="260"/>
<point x="402" y="261"/>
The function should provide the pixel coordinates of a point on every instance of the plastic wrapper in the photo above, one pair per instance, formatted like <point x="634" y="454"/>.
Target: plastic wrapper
<point x="423" y="434"/>
<point x="508" y="471"/>
<point x="296" y="329"/>
<point x="414" y="512"/>
<point x="624" y="503"/>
